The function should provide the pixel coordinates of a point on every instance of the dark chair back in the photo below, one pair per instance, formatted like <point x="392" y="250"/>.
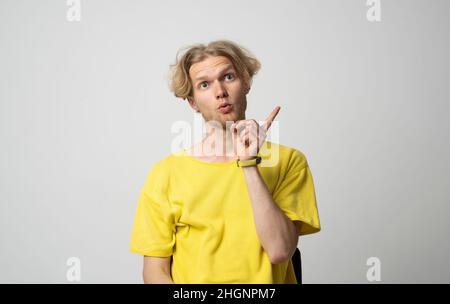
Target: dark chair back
<point x="297" y="263"/>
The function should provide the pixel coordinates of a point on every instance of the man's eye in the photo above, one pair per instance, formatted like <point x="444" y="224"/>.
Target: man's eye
<point x="202" y="85"/>
<point x="231" y="76"/>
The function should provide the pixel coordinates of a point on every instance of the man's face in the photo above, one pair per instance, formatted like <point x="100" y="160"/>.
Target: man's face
<point x="216" y="82"/>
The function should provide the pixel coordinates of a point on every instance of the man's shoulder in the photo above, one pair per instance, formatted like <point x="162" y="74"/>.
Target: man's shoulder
<point x="167" y="162"/>
<point x="161" y="167"/>
<point x="288" y="156"/>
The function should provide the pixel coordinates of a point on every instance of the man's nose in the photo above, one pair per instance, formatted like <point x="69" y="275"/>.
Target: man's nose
<point x="221" y="91"/>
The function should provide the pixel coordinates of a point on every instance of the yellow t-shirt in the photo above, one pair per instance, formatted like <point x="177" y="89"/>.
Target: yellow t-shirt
<point x="200" y="213"/>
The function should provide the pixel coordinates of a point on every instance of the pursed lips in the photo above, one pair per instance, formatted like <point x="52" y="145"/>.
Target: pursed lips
<point x="224" y="105"/>
<point x="225" y="108"/>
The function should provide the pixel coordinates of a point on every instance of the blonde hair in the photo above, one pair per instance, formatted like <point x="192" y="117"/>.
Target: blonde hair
<point x="244" y="62"/>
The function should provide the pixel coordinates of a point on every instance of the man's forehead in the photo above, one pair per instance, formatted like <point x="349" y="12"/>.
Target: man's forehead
<point x="209" y="66"/>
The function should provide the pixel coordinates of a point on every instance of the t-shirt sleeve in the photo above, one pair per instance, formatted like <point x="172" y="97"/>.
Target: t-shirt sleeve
<point x="295" y="195"/>
<point x="154" y="228"/>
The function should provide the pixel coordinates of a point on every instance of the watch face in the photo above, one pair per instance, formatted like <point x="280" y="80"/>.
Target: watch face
<point x="249" y="162"/>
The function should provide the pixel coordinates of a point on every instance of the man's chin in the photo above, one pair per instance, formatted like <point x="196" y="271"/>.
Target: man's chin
<point x="223" y="120"/>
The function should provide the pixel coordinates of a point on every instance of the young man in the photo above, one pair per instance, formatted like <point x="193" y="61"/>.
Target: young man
<point x="235" y="215"/>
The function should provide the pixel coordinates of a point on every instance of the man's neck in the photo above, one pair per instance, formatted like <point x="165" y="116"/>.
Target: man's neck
<point x="217" y="144"/>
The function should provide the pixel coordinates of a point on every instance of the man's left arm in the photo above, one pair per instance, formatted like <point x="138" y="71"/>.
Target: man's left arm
<point x="277" y="233"/>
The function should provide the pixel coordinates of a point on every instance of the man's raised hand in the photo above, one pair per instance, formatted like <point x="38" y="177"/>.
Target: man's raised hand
<point x="249" y="136"/>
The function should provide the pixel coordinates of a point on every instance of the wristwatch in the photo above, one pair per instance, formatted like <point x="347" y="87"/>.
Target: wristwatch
<point x="249" y="162"/>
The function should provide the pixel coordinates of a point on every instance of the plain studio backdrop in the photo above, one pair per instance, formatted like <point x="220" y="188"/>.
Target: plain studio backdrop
<point x="85" y="111"/>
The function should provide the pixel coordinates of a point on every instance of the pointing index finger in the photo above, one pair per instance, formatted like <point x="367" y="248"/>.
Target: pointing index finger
<point x="271" y="117"/>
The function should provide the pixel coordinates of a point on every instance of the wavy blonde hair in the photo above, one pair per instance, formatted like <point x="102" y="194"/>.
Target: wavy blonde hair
<point x="244" y="62"/>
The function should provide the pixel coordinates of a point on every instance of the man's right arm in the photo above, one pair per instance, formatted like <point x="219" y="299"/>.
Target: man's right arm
<point x="157" y="270"/>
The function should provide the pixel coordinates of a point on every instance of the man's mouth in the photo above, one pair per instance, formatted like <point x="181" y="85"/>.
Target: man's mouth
<point x="223" y="104"/>
<point x="225" y="108"/>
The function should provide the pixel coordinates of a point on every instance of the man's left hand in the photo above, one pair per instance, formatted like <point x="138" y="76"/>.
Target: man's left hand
<point x="249" y="136"/>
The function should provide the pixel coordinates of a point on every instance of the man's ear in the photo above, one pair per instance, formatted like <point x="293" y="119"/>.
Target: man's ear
<point x="193" y="104"/>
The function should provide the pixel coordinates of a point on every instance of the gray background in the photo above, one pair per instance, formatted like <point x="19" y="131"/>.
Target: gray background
<point x="86" y="111"/>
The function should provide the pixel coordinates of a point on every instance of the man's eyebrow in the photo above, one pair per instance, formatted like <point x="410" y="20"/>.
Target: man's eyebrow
<point x="227" y="68"/>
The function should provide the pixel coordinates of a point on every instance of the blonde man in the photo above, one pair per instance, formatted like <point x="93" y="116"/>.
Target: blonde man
<point x="223" y="217"/>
